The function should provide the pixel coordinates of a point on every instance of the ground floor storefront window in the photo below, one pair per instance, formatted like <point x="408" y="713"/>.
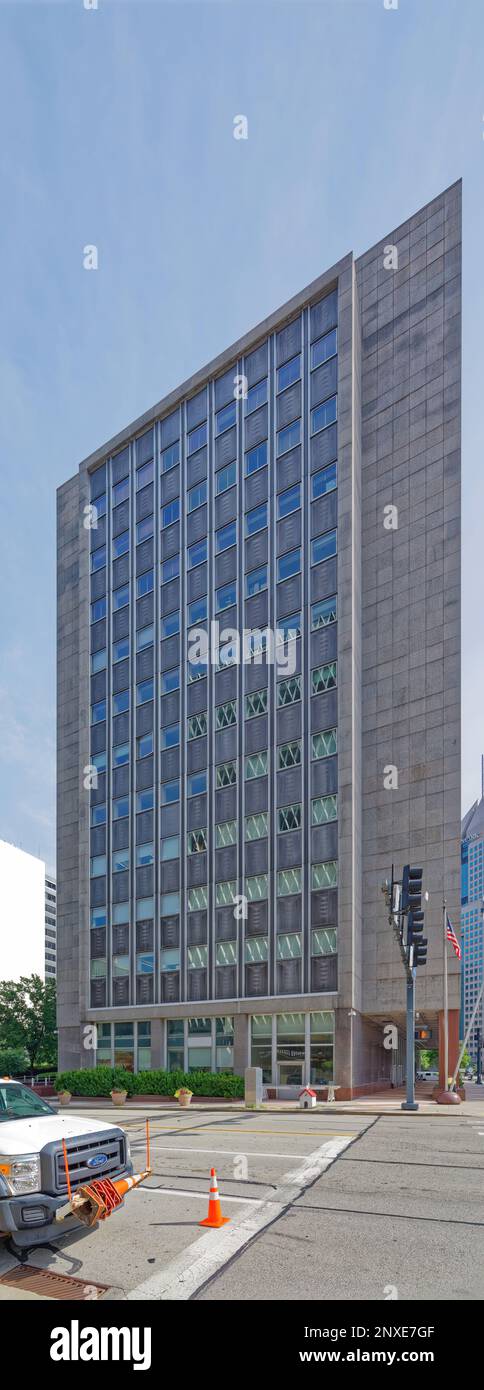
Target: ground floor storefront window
<point x="200" y="1044"/>
<point x="261" y="1031"/>
<point x="126" y="1045"/>
<point x="294" y="1049"/>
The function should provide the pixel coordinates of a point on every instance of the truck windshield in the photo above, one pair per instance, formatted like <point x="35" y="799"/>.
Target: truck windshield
<point x="18" y="1103"/>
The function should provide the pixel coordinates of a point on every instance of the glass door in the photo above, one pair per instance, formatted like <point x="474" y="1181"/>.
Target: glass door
<point x="289" y="1074"/>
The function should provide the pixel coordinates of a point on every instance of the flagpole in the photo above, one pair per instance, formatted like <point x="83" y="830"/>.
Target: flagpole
<point x="446" y="998"/>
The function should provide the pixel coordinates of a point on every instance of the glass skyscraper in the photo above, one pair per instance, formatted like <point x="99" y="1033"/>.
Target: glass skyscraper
<point x="472" y="916"/>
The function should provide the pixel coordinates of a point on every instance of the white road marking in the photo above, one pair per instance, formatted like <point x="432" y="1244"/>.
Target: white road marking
<point x="249" y="1153"/>
<point x="203" y="1196"/>
<point x="208" y="1255"/>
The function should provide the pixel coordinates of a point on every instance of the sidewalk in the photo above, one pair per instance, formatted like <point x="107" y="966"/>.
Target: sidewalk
<point x="384" y="1103"/>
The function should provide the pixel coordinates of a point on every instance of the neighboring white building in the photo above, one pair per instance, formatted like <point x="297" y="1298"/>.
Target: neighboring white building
<point x="50" y="925"/>
<point x="22" y="913"/>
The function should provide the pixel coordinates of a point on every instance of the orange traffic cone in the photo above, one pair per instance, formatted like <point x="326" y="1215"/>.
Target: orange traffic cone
<point x="214" y="1218"/>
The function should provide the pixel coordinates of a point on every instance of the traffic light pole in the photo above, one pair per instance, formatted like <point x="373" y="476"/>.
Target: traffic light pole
<point x="410" y="1103"/>
<point x="404" y="902"/>
<point x="479" y="1045"/>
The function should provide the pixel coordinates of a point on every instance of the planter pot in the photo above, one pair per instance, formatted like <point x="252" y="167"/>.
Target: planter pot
<point x="63" y="1097"/>
<point x="184" y="1099"/>
<point x="118" y="1097"/>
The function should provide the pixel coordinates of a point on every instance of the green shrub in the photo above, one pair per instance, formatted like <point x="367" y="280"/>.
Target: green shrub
<point x="100" y="1081"/>
<point x="13" y="1061"/>
<point x="95" y="1081"/>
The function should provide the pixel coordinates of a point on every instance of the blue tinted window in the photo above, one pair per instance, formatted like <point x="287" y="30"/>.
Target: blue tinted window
<point x="98" y="815"/>
<point x="98" y="712"/>
<point x="145" y="475"/>
<point x="145" y="529"/>
<point x="288" y="437"/>
<point x="289" y="628"/>
<point x="256" y="458"/>
<point x="170" y="792"/>
<point x="98" y="865"/>
<point x="98" y="558"/>
<point x="121" y="808"/>
<point x="324" y="481"/>
<point x="256" y="519"/>
<point x="121" y="702"/>
<point x="290" y="372"/>
<point x="255" y="581"/>
<point x="226" y="595"/>
<point x="144" y="692"/>
<point x="121" y="597"/>
<point x="120" y="492"/>
<point x="322" y="547"/>
<point x="144" y="583"/>
<point x="196" y="670"/>
<point x="145" y="801"/>
<point x="171" y="512"/>
<point x="99" y="919"/>
<point x="144" y="745"/>
<point x="225" y="418"/>
<point x="120" y="544"/>
<point x="145" y="637"/>
<point x="145" y="962"/>
<point x="324" y="612"/>
<point x="100" y="505"/>
<point x="226" y="537"/>
<point x="197" y="496"/>
<point x="323" y="415"/>
<point x="121" y="649"/>
<point x="197" y="611"/>
<point x="197" y="553"/>
<point x="120" y="860"/>
<point x="98" y="609"/>
<point x="170" y="680"/>
<point x="197" y="783"/>
<point x="289" y="501"/>
<point x="170" y="569"/>
<point x="256" y="396"/>
<point x="144" y="855"/>
<point x="324" y="348"/>
<point x="98" y="661"/>
<point x="197" y="438"/>
<point x="170" y="624"/>
<point x="170" y="736"/>
<point x="121" y="754"/>
<point x="99" y="760"/>
<point x="170" y="457"/>
<point x="289" y="564"/>
<point x="226" y="478"/>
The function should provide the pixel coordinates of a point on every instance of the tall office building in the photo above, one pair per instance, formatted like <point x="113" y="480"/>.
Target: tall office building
<point x="50" y="925"/>
<point x="472" y="913"/>
<point x="22" y="893"/>
<point x="226" y="818"/>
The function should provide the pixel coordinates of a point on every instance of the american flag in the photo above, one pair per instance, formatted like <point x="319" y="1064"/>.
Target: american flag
<point x="451" y="936"/>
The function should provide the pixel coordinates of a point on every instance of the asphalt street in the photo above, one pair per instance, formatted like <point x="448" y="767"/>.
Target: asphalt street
<point x="323" y="1206"/>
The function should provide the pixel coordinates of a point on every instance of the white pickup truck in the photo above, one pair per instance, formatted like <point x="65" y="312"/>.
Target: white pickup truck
<point x="33" y="1181"/>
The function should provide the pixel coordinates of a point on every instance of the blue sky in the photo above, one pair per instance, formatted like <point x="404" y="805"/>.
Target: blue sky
<point x="117" y="130"/>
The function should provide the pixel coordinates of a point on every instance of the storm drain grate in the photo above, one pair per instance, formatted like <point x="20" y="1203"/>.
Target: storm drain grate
<point x="50" y="1285"/>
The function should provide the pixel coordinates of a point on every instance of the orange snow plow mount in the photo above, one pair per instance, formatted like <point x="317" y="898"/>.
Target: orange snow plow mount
<point x="96" y="1200"/>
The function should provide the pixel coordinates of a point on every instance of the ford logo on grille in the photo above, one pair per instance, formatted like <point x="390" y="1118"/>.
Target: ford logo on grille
<point x="97" y="1161"/>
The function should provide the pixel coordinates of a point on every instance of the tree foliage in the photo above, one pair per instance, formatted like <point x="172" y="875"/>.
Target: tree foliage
<point x="28" y="1018"/>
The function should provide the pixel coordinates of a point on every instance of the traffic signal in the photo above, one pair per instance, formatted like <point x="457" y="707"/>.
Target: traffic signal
<point x="420" y="951"/>
<point x="411" y="888"/>
<point x="416" y="942"/>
